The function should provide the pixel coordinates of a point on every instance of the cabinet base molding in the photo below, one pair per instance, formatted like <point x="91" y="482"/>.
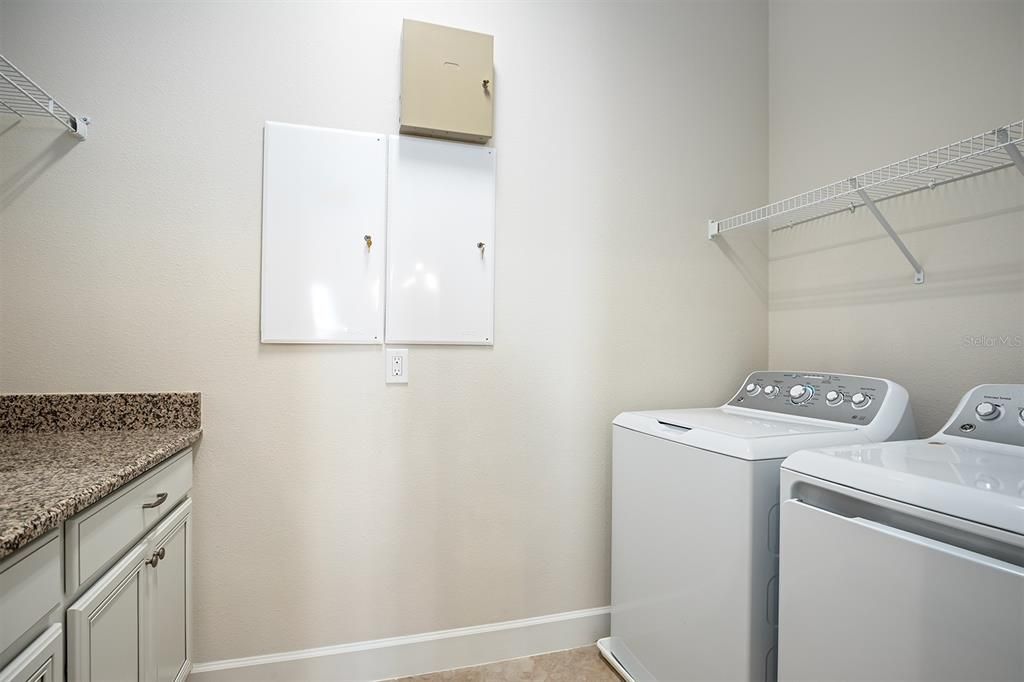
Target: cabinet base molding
<point x="417" y="654"/>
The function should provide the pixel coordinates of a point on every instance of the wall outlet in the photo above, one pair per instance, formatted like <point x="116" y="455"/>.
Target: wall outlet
<point x="396" y="366"/>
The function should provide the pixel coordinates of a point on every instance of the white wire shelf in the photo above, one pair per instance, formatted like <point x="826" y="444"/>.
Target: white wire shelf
<point x="22" y="96"/>
<point x="983" y="153"/>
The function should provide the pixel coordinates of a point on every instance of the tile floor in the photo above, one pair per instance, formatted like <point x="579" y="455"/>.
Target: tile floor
<point x="573" y="665"/>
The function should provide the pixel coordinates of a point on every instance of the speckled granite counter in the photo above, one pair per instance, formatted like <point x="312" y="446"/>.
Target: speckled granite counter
<point x="61" y="453"/>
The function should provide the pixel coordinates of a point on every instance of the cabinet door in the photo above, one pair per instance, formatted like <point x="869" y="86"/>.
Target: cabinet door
<point x="106" y="626"/>
<point x="441" y="247"/>
<point x="42" y="661"/>
<point x="324" y="241"/>
<point x="447" y="80"/>
<point x="170" y="596"/>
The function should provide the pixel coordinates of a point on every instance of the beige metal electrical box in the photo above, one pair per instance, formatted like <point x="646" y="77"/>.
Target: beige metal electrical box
<point x="447" y="82"/>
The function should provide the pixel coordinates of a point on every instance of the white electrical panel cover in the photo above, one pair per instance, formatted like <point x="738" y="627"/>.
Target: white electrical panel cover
<point x="440" y="282"/>
<point x="324" y="235"/>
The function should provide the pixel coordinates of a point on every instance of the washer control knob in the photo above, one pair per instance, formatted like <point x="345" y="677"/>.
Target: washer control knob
<point x="860" y="400"/>
<point x="801" y="393"/>
<point x="1021" y="415"/>
<point x="772" y="391"/>
<point x="987" y="411"/>
<point x="833" y="398"/>
<point x="752" y="389"/>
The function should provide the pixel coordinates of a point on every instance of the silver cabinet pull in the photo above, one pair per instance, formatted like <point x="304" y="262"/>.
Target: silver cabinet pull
<point x="157" y="556"/>
<point x="160" y="499"/>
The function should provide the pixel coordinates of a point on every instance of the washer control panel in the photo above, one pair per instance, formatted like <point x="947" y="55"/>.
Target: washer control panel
<point x="835" y="397"/>
<point x="990" y="412"/>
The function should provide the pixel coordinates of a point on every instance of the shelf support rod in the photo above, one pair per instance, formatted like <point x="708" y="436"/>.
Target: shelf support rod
<point x="1011" y="149"/>
<point x="870" y="203"/>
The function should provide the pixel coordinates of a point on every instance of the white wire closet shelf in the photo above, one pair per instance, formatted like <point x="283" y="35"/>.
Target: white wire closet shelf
<point x="22" y="96"/>
<point x="982" y="153"/>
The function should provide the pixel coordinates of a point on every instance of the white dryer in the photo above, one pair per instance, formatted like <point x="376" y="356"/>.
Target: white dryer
<point x="905" y="561"/>
<point x="695" y="497"/>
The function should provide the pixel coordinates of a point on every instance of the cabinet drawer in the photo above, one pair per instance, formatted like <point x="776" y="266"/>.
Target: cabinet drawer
<point x="98" y="535"/>
<point x="30" y="587"/>
<point x="41" y="661"/>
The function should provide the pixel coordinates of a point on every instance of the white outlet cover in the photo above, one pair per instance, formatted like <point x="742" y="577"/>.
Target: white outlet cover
<point x="396" y="365"/>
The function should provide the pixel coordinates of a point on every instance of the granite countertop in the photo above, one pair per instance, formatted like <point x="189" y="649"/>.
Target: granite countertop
<point x="61" y="453"/>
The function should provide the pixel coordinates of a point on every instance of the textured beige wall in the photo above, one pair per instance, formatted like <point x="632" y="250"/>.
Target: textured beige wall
<point x="855" y="85"/>
<point x="330" y="508"/>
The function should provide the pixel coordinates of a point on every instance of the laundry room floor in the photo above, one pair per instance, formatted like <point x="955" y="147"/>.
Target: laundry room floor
<point x="573" y="665"/>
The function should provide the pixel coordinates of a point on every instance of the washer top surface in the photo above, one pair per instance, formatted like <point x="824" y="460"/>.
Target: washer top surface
<point x="742" y="423"/>
<point x="965" y="475"/>
<point x="776" y="413"/>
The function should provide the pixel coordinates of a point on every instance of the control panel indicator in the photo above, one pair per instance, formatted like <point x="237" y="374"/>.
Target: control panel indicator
<point x="819" y="396"/>
<point x="993" y="413"/>
<point x="801" y="393"/>
<point x="860" y="400"/>
<point x="987" y="411"/>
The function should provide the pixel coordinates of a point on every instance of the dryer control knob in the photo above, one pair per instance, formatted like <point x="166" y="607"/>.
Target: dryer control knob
<point x="752" y="389"/>
<point x="860" y="400"/>
<point x="801" y="393"/>
<point x="987" y="411"/>
<point x="833" y="398"/>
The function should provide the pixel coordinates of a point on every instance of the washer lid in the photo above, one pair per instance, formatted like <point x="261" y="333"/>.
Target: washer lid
<point x="739" y="432"/>
<point x="980" y="483"/>
<point x="741" y="423"/>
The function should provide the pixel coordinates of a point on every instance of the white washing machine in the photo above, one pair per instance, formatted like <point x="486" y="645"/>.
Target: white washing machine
<point x="905" y="561"/>
<point x="695" y="497"/>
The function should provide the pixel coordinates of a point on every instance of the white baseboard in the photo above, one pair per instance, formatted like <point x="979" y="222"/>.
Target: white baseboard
<point x="416" y="654"/>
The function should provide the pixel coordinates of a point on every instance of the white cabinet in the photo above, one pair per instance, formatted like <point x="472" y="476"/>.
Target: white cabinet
<point x="30" y="587"/>
<point x="134" y="624"/>
<point x="324" y="237"/>
<point x="106" y="626"/>
<point x="340" y="205"/>
<point x="97" y="536"/>
<point x="41" y="661"/>
<point x="440" y="286"/>
<point x="170" y="597"/>
<point x="127" y="578"/>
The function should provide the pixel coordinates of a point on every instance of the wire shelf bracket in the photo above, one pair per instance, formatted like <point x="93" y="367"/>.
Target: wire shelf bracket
<point x="869" y="202"/>
<point x="1012" y="150"/>
<point x="983" y="153"/>
<point x="22" y="96"/>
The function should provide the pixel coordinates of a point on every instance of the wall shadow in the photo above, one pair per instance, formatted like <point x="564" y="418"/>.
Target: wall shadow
<point x="19" y="178"/>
